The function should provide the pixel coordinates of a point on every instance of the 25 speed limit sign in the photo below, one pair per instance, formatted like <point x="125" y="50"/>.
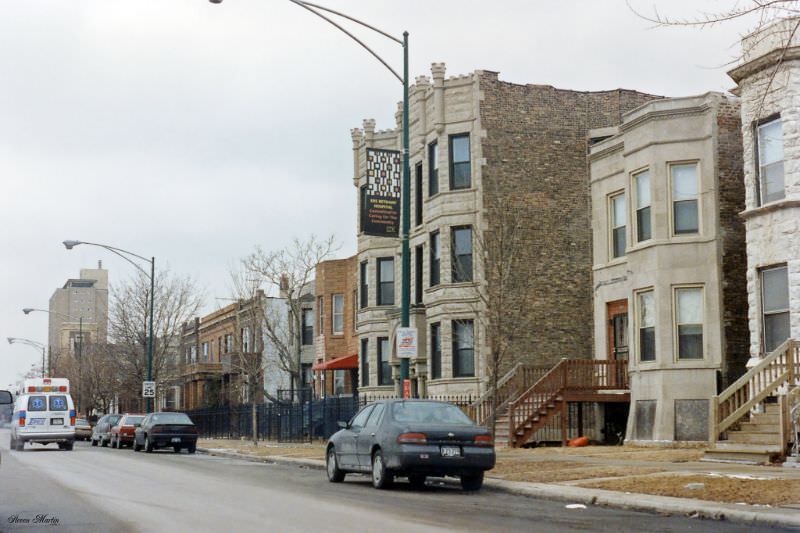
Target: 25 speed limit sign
<point x="148" y="389"/>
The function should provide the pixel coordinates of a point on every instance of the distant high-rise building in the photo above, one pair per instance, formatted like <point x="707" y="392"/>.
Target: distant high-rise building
<point x="83" y="298"/>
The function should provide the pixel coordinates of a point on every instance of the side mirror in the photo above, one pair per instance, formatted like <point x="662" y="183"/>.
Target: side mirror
<point x="343" y="425"/>
<point x="6" y="397"/>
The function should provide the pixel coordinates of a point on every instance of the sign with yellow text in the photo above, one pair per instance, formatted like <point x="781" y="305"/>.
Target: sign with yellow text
<point x="380" y="198"/>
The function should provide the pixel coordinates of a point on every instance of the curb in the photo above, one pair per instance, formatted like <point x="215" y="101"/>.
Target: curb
<point x="568" y="493"/>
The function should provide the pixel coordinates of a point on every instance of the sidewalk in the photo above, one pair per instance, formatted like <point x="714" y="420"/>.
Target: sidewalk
<point x="671" y="480"/>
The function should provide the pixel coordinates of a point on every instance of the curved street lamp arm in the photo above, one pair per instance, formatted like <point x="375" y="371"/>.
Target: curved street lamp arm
<point x="345" y="15"/>
<point x="128" y="259"/>
<point x="39" y="345"/>
<point x="308" y="6"/>
<point x="63" y="315"/>
<point x="118" y="250"/>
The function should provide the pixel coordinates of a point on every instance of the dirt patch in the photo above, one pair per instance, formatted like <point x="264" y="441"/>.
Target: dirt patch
<point x="556" y="471"/>
<point x="621" y="453"/>
<point x="266" y="449"/>
<point x="716" y="487"/>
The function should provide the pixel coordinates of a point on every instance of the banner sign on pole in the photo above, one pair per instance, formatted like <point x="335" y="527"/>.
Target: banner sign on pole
<point x="380" y="202"/>
<point x="148" y="389"/>
<point x="406" y="343"/>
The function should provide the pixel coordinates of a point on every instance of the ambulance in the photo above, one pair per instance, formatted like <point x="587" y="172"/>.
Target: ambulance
<point x="43" y="413"/>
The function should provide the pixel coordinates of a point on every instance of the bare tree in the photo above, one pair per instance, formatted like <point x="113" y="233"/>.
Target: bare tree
<point x="287" y="273"/>
<point x="177" y="299"/>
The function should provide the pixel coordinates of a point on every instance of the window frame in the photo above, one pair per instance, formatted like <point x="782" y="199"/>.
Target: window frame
<point x="321" y="313"/>
<point x="764" y="313"/>
<point x="455" y="259"/>
<point x="676" y="325"/>
<point x="637" y="209"/>
<point x="380" y="282"/>
<point x="613" y="230"/>
<point x="435" y="331"/>
<point x="418" y="198"/>
<point x="335" y="314"/>
<point x="384" y="365"/>
<point x="673" y="202"/>
<point x="435" y="253"/>
<point x="419" y="266"/>
<point x="757" y="126"/>
<point x="365" y="362"/>
<point x="363" y="284"/>
<point x="307" y="341"/>
<point x="452" y="162"/>
<point x="639" y="327"/>
<point x="457" y="351"/>
<point x="433" y="168"/>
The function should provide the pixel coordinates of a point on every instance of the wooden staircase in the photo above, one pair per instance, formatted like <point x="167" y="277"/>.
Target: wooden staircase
<point x="514" y="382"/>
<point x="577" y="380"/>
<point x="750" y="427"/>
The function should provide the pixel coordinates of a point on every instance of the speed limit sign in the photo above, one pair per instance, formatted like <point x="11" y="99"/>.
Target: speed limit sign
<point x="148" y="389"/>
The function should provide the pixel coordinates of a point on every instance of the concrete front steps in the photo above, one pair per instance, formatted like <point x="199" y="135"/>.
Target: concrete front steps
<point x="756" y="441"/>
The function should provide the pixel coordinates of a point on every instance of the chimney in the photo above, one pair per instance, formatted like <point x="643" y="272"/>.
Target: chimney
<point x="284" y="288"/>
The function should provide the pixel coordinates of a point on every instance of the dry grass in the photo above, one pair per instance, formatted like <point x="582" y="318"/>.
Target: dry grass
<point x="620" y="453"/>
<point x="716" y="488"/>
<point x="267" y="449"/>
<point x="557" y="471"/>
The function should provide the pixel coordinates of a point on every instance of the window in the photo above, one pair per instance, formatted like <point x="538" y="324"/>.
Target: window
<point x="375" y="417"/>
<point x="618" y="225"/>
<point x="433" y="168"/>
<point x="646" y="322"/>
<point x="775" y="306"/>
<point x="205" y="352"/>
<point x="384" y="369"/>
<point x="418" y="194"/>
<point x="436" y="351"/>
<point x="460" y="172"/>
<point x="462" y="254"/>
<point x="37" y="403"/>
<point x="689" y="322"/>
<point x="193" y="352"/>
<point x="643" y="227"/>
<point x="337" y="308"/>
<point x="228" y="343"/>
<point x="436" y="258"/>
<point x="769" y="147"/>
<point x="219" y="346"/>
<point x="684" y="198"/>
<point x="308" y="327"/>
<point x="365" y="362"/>
<point x="360" y="419"/>
<point x="355" y="309"/>
<point x="364" y="285"/>
<point x="362" y="199"/>
<point x="386" y="281"/>
<point x="418" y="274"/>
<point x="246" y="340"/>
<point x="321" y="311"/>
<point x="463" y="349"/>
<point x="338" y="382"/>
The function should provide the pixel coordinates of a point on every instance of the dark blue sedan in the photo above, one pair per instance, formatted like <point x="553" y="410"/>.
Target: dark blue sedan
<point x="414" y="439"/>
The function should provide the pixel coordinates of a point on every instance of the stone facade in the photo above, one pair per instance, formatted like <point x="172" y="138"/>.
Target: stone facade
<point x="526" y="147"/>
<point x="769" y="86"/>
<point x="335" y="283"/>
<point x="668" y="243"/>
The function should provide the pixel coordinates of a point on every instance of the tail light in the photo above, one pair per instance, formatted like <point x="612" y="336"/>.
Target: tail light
<point x="484" y="440"/>
<point x="22" y="418"/>
<point x="412" y="438"/>
<point x="72" y="417"/>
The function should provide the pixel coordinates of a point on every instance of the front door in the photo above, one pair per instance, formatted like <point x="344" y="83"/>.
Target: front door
<point x="618" y="330"/>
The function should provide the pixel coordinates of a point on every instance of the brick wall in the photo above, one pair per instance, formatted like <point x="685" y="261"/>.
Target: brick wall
<point x="535" y="160"/>
<point x="337" y="276"/>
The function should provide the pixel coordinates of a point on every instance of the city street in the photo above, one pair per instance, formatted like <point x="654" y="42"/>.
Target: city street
<point x="102" y="489"/>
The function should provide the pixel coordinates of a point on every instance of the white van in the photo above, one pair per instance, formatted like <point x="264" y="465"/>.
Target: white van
<point x="43" y="413"/>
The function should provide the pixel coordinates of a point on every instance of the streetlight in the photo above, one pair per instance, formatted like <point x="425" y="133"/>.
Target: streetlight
<point x="32" y="344"/>
<point x="405" y="292"/>
<point x="69" y="245"/>
<point x="29" y="310"/>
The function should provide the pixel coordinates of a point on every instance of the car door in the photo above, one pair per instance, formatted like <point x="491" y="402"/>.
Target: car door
<point x="368" y="436"/>
<point x="349" y="437"/>
<point x="138" y="433"/>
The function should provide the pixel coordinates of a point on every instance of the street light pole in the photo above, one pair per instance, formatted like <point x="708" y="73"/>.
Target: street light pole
<point x="32" y="344"/>
<point x="405" y="273"/>
<point x="70" y="244"/>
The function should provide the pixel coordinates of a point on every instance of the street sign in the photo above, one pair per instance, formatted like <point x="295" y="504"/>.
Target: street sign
<point x="148" y="389"/>
<point x="406" y="343"/>
<point x="406" y="388"/>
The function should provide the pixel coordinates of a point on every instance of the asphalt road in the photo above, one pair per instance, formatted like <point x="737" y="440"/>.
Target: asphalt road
<point x="101" y="489"/>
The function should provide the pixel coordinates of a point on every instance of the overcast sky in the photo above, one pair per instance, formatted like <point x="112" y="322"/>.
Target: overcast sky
<point x="192" y="132"/>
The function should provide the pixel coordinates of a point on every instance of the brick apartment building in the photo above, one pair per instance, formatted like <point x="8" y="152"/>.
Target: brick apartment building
<point x="479" y="145"/>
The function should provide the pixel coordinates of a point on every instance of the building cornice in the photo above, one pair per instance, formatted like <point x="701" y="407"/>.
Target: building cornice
<point x="765" y="61"/>
<point x="769" y="208"/>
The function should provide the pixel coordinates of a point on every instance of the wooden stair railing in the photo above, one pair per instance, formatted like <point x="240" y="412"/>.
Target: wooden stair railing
<point x="532" y="409"/>
<point x="781" y="367"/>
<point x="518" y="379"/>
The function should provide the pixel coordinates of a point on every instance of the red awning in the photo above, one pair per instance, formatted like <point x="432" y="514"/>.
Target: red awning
<point x="340" y="363"/>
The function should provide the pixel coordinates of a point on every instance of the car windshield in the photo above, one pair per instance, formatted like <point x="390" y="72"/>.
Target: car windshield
<point x="133" y="420"/>
<point x="81" y="422"/>
<point x="429" y="413"/>
<point x="171" y="418"/>
<point x="113" y="419"/>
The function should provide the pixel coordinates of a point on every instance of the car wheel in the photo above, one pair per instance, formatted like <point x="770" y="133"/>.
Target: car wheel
<point x="417" y="480"/>
<point x="136" y="446"/>
<point x="332" y="466"/>
<point x="381" y="478"/>
<point x="192" y="448"/>
<point x="94" y="442"/>
<point x="19" y="445"/>
<point x="472" y="481"/>
<point x="148" y="446"/>
<point x="12" y="444"/>
<point x="68" y="446"/>
<point x="176" y="449"/>
<point x="103" y="442"/>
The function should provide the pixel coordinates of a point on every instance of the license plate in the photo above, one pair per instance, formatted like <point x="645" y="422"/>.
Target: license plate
<point x="176" y="439"/>
<point x="56" y="421"/>
<point x="36" y="422"/>
<point x="451" y="451"/>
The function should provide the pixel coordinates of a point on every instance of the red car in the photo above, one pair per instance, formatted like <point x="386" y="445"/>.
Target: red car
<point x="122" y="433"/>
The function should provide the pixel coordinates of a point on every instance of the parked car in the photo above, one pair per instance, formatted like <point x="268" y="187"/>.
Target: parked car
<point x="122" y="431"/>
<point x="83" y="429"/>
<point x="6" y="398"/>
<point x="413" y="439"/>
<point x="164" y="430"/>
<point x="101" y="434"/>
